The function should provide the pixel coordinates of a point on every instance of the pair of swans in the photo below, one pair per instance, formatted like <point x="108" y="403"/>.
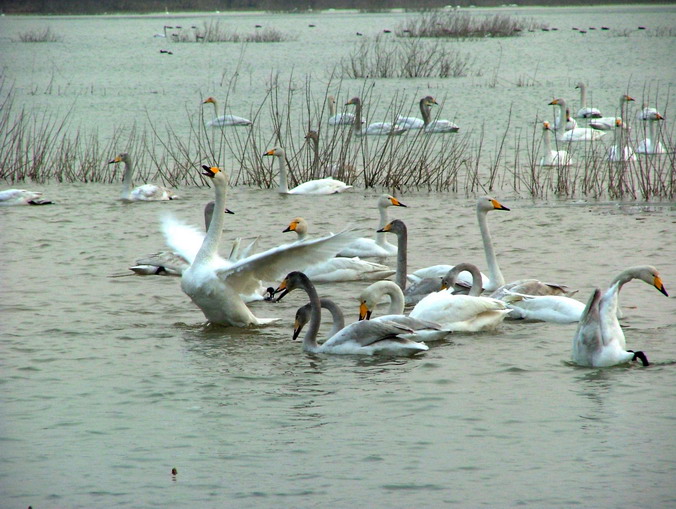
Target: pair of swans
<point x="584" y="111"/>
<point x="374" y="129"/>
<point x="599" y="340"/>
<point x="326" y="185"/>
<point x="572" y="133"/>
<point x="215" y="285"/>
<point x="11" y="197"/>
<point x="338" y="268"/>
<point x="608" y="123"/>
<point x="146" y="192"/>
<point x="365" y="337"/>
<point x="553" y="157"/>
<point x="379" y="248"/>
<point x="426" y="123"/>
<point x="338" y="118"/>
<point x="225" y="120"/>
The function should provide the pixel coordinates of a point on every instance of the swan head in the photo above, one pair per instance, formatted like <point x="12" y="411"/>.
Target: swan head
<point x="387" y="200"/>
<point x="292" y="281"/>
<point x="640" y="356"/>
<point x="302" y="317"/>
<point x="354" y="100"/>
<point x="580" y="85"/>
<point x="122" y="157"/>
<point x="331" y="99"/>
<point x="277" y="152"/>
<point x="546" y="126"/>
<point x="397" y="226"/>
<point x="487" y="204"/>
<point x="650" y="275"/>
<point x="626" y="98"/>
<point x="558" y="102"/>
<point x="209" y="100"/>
<point x="428" y="100"/>
<point x="312" y="135"/>
<point x="213" y="172"/>
<point x="298" y="225"/>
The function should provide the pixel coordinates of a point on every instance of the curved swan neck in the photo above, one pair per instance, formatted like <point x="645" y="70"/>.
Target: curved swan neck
<point x="494" y="273"/>
<point x="310" y="338"/>
<point x="452" y="276"/>
<point x="210" y="244"/>
<point x="388" y="288"/>
<point x="283" y="185"/>
<point x="336" y="315"/>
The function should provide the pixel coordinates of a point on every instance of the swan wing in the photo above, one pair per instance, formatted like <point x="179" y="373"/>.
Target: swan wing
<point x="161" y="263"/>
<point x="274" y="263"/>
<point x="444" y="308"/>
<point x="229" y="120"/>
<point x="320" y="186"/>
<point x="347" y="269"/>
<point x="370" y="336"/>
<point x="183" y="239"/>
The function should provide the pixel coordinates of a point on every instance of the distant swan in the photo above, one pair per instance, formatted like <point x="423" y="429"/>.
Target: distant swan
<point x="461" y="313"/>
<point x="374" y="129"/>
<point x="215" y="284"/>
<point x="365" y="337"/>
<point x="380" y="248"/>
<point x="225" y="120"/>
<point x="608" y="123"/>
<point x="338" y="118"/>
<point x="146" y="192"/>
<point x="495" y="278"/>
<point x="651" y="144"/>
<point x="553" y="157"/>
<point x="10" y="197"/>
<point x="585" y="111"/>
<point x="338" y="268"/>
<point x="620" y="150"/>
<point x="318" y="186"/>
<point x="599" y="340"/>
<point x="426" y="123"/>
<point x="576" y="133"/>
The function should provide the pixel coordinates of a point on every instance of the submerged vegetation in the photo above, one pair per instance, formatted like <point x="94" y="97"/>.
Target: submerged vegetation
<point x="42" y="148"/>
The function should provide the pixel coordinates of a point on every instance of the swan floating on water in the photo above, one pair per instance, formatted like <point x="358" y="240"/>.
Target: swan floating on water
<point x="215" y="284"/>
<point x="225" y="120"/>
<point x="620" y="150"/>
<point x="11" y="197"/>
<point x="585" y="111"/>
<point x="651" y="144"/>
<point x="574" y="134"/>
<point x="608" y="123"/>
<point x="426" y="123"/>
<point x="365" y="337"/>
<point x="553" y="157"/>
<point x="146" y="192"/>
<point x="374" y="129"/>
<point x="338" y="118"/>
<point x="599" y="340"/>
<point x="326" y="185"/>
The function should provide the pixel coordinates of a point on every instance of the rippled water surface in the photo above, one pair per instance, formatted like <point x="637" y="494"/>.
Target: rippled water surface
<point x="110" y="382"/>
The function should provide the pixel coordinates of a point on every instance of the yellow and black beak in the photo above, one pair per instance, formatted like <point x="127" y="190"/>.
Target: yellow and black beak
<point x="291" y="228"/>
<point x="282" y="288"/>
<point x="270" y="152"/>
<point x="297" y="327"/>
<point x="209" y="171"/>
<point x="386" y="228"/>
<point x="498" y="206"/>
<point x="364" y="311"/>
<point x="554" y="102"/>
<point x="116" y="160"/>
<point x="657" y="282"/>
<point x="396" y="202"/>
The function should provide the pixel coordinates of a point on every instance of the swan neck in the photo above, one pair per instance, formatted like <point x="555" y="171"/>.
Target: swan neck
<point x="127" y="179"/>
<point x="336" y="315"/>
<point x="396" y="299"/>
<point x="583" y="96"/>
<point x="211" y="241"/>
<point x="283" y="185"/>
<point x="548" y="142"/>
<point x="494" y="273"/>
<point x="384" y="219"/>
<point x="402" y="259"/>
<point x="332" y="108"/>
<point x="357" y="117"/>
<point x="310" y="338"/>
<point x="425" y="112"/>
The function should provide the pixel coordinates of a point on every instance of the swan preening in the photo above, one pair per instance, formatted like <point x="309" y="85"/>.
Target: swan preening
<point x="575" y="133"/>
<point x="585" y="111"/>
<point x="225" y="120"/>
<point x="552" y="157"/>
<point x="215" y="285"/>
<point x="426" y="123"/>
<point x="10" y="197"/>
<point x="378" y="248"/>
<point x="599" y="340"/>
<point x="338" y="268"/>
<point x="374" y="129"/>
<point x="365" y="337"/>
<point x="146" y="192"/>
<point x="326" y="185"/>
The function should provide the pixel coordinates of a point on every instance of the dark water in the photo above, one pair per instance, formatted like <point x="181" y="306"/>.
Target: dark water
<point x="110" y="382"/>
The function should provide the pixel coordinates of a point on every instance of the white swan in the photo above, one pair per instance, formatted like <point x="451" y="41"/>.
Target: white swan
<point x="543" y="308"/>
<point x="426" y="123"/>
<point x="225" y="120"/>
<point x="365" y="337"/>
<point x="365" y="247"/>
<point x="608" y="123"/>
<point x="461" y="313"/>
<point x="374" y="129"/>
<point x="553" y="157"/>
<point x="585" y="111"/>
<point x="10" y="197"/>
<point x="338" y="268"/>
<point x="146" y="192"/>
<point x="574" y="134"/>
<point x="215" y="284"/>
<point x="319" y="186"/>
<point x="647" y="113"/>
<point x="338" y="118"/>
<point x="619" y="150"/>
<point x="370" y="297"/>
<point x="599" y="340"/>
<point x="651" y="144"/>
<point x="495" y="278"/>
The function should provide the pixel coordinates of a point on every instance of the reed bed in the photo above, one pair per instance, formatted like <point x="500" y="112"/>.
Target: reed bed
<point x="214" y="31"/>
<point x="464" y="25"/>
<point x="43" y="147"/>
<point x="40" y="35"/>
<point x="383" y="57"/>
